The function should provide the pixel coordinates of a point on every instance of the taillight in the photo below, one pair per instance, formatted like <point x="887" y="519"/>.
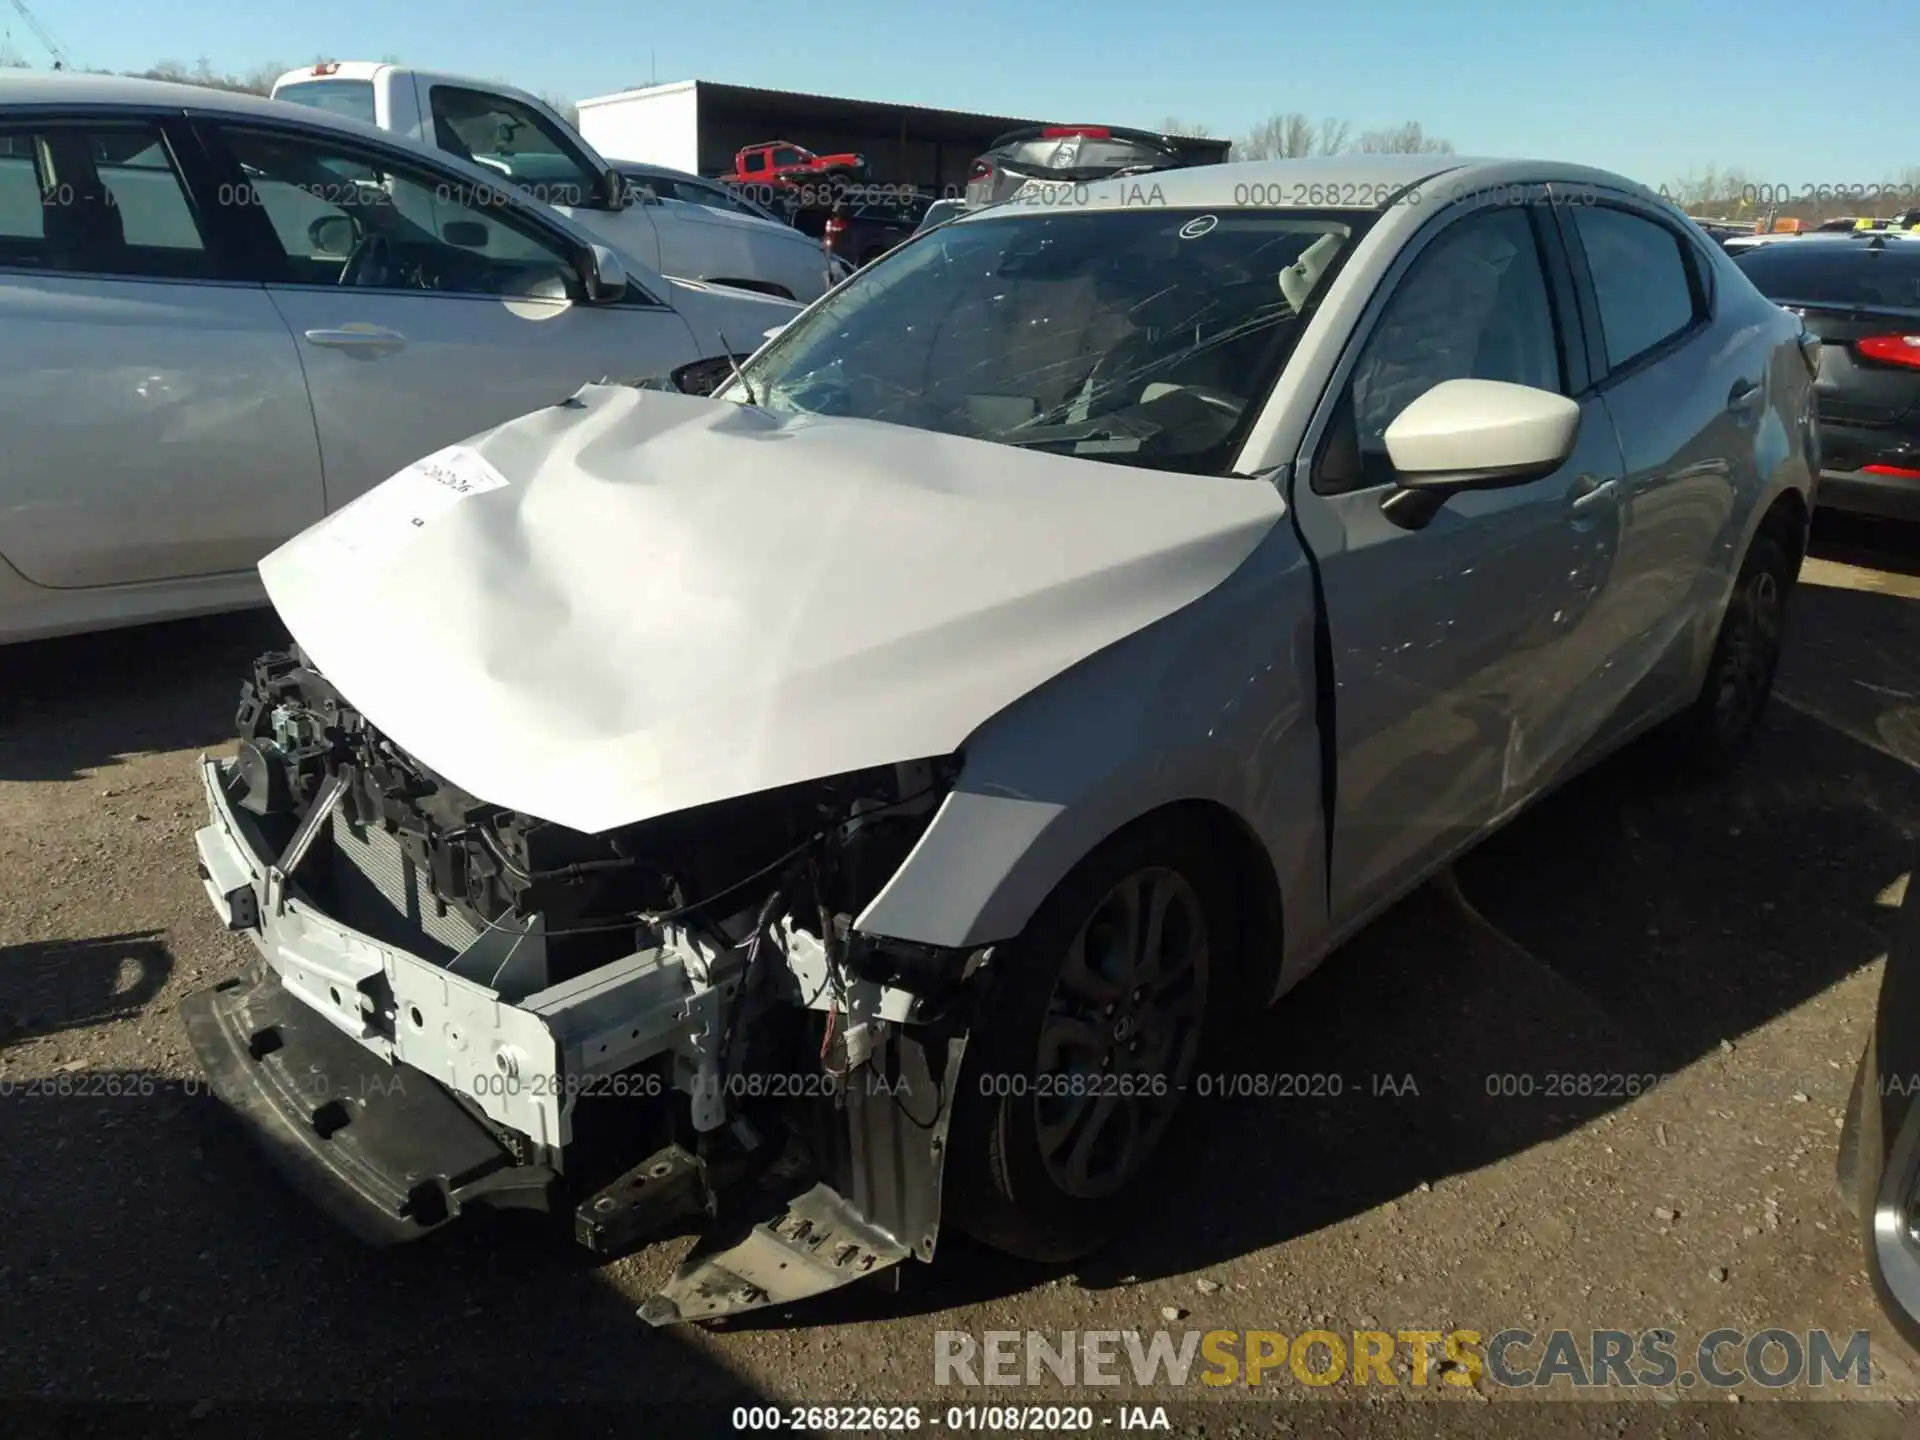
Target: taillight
<point x="836" y="225"/>
<point x="1064" y="132"/>
<point x="327" y="67"/>
<point x="981" y="170"/>
<point x="1891" y="349"/>
<point x="1897" y="472"/>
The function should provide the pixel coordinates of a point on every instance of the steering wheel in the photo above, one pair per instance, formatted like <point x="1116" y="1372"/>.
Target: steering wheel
<point x="371" y="263"/>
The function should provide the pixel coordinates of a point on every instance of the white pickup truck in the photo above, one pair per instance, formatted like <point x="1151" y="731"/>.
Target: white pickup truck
<point x="517" y="134"/>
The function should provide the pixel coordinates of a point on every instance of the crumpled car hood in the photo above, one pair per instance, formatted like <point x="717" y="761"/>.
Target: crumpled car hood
<point x="639" y="601"/>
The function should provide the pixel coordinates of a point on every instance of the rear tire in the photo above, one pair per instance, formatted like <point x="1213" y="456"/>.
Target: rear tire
<point x="1087" y="1032"/>
<point x="1710" y="737"/>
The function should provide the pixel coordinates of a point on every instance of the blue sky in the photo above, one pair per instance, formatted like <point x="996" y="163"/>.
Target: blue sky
<point x="1653" y="88"/>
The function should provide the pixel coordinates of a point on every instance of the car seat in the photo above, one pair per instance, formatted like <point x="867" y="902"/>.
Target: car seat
<point x="78" y="215"/>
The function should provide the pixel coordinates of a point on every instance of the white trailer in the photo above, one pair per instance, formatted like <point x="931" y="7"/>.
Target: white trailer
<point x="697" y="125"/>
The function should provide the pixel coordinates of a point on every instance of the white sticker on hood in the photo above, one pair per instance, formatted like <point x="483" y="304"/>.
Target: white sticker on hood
<point x="387" y="517"/>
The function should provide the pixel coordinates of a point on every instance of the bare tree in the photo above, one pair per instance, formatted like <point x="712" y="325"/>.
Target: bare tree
<point x="1291" y="135"/>
<point x="560" y="106"/>
<point x="257" y="81"/>
<point x="1279" y="137"/>
<point x="1174" y="125"/>
<point x="1334" y="137"/>
<point x="1408" y="139"/>
<point x="10" y="58"/>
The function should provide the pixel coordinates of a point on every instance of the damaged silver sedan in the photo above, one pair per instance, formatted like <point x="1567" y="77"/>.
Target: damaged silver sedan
<point x="862" y="799"/>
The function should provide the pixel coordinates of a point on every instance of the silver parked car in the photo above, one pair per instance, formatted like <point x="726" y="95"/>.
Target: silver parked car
<point x="222" y="318"/>
<point x="894" y="775"/>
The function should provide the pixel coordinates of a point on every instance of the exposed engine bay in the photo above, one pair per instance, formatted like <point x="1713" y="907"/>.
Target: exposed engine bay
<point x="668" y="1023"/>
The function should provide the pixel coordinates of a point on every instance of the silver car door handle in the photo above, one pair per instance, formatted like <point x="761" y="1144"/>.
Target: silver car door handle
<point x="367" y="337"/>
<point x="1589" y="492"/>
<point x="1743" y="396"/>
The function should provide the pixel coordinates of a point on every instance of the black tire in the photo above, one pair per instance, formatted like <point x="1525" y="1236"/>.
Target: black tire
<point x="1710" y="736"/>
<point x="1846" y="1169"/>
<point x="1004" y="1169"/>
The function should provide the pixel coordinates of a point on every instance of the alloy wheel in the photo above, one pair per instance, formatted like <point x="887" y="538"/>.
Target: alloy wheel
<point x="1121" y="1032"/>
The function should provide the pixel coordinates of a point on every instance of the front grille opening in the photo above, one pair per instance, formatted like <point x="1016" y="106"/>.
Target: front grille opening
<point x="374" y="887"/>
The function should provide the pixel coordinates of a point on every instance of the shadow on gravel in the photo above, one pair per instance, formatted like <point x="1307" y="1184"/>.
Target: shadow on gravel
<point x="1629" y="927"/>
<point x="73" y="706"/>
<point x="150" y="1254"/>
<point x="54" y="985"/>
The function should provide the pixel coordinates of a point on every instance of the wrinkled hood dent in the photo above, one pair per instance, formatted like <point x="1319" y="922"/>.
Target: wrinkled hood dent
<point x="658" y="601"/>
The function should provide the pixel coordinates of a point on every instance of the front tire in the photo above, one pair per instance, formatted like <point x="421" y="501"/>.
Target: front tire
<point x="1086" y="1035"/>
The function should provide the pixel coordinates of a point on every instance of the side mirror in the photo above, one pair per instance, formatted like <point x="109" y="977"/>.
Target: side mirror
<point x="1474" y="435"/>
<point x="703" y="377"/>
<point x="467" y="234"/>
<point x="605" y="275"/>
<point x="617" y="191"/>
<point x="334" y="235"/>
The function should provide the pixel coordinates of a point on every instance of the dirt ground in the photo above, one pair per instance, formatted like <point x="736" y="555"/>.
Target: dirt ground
<point x="1727" y="939"/>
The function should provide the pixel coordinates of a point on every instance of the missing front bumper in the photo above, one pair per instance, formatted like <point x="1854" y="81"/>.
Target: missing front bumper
<point x="382" y="1149"/>
<point x="399" y="1090"/>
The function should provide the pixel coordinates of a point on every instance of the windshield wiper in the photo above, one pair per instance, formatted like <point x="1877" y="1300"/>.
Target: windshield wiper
<point x="1108" y="428"/>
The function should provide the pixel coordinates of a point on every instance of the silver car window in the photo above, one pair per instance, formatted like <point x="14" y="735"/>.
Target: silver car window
<point x="1472" y="306"/>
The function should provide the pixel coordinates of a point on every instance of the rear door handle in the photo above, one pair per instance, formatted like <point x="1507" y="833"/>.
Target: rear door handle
<point x="366" y="338"/>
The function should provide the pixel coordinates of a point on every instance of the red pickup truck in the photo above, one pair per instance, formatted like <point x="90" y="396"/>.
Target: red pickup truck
<point x="782" y="163"/>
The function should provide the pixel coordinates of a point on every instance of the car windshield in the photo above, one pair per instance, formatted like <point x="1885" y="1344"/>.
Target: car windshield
<point x="1821" y="273"/>
<point x="1138" y="336"/>
<point x="351" y="98"/>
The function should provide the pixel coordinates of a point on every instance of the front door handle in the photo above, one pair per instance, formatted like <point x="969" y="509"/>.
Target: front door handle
<point x="367" y="339"/>
<point x="1743" y="397"/>
<point x="1590" y="491"/>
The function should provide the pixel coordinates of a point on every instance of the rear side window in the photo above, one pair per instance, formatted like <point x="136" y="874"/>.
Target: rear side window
<point x="351" y="98"/>
<point x="103" y="200"/>
<point x="1849" y="274"/>
<point x="1640" y="278"/>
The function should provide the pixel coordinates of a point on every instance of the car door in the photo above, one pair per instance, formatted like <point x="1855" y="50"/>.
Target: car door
<point x="1459" y="652"/>
<point x="544" y="160"/>
<point x="426" y="307"/>
<point x="152" y="403"/>
<point x="1687" y="400"/>
<point x="1880" y="1145"/>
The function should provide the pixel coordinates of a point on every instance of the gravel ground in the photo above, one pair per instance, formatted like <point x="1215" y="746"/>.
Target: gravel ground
<point x="1728" y="939"/>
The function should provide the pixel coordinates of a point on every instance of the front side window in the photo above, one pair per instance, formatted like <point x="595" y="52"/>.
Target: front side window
<point x="1640" y="279"/>
<point x="786" y="155"/>
<point x="343" y="218"/>
<point x="103" y="200"/>
<point x="1472" y="306"/>
<point x="515" y="139"/>
<point x="1142" y="337"/>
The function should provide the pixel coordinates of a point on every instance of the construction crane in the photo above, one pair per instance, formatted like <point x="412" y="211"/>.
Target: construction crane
<point x="40" y="33"/>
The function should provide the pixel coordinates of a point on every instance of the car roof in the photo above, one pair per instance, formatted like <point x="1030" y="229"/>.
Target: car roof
<point x="1328" y="182"/>
<point x="67" y="88"/>
<point x="19" y="90"/>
